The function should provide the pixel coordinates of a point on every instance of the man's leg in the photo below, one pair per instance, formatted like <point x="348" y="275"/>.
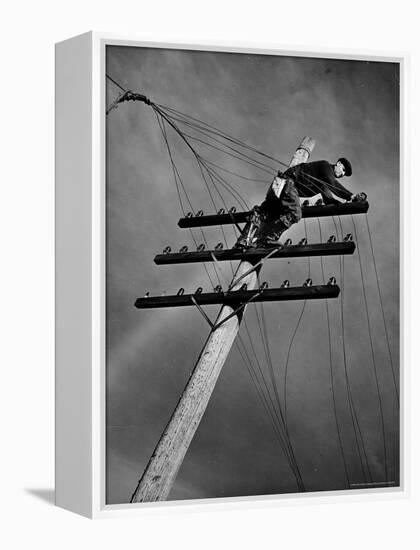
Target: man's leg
<point x="250" y="230"/>
<point x="271" y="231"/>
<point x="264" y="227"/>
<point x="287" y="213"/>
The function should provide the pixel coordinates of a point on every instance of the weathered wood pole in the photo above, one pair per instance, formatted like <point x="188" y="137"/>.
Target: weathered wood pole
<point x="160" y="473"/>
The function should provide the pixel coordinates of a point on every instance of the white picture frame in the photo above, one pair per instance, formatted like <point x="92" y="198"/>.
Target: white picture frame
<point x="80" y="276"/>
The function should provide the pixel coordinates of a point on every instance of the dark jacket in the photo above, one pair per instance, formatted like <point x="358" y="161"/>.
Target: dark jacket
<point x="316" y="177"/>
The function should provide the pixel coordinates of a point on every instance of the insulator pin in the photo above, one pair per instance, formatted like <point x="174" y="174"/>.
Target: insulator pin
<point x="285" y="284"/>
<point x="180" y="292"/>
<point x="308" y="282"/>
<point x="200" y="247"/>
<point x="167" y="250"/>
<point x="184" y="248"/>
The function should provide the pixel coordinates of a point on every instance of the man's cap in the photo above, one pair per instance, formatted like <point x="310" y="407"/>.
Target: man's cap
<point x="347" y="166"/>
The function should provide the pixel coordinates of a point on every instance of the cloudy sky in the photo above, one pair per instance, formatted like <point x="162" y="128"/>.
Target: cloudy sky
<point x="351" y="108"/>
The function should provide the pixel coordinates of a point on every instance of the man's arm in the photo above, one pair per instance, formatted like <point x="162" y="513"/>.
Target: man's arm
<point x="328" y="197"/>
<point x="339" y="190"/>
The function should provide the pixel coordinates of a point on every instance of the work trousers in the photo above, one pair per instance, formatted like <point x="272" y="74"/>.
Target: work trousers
<point x="263" y="228"/>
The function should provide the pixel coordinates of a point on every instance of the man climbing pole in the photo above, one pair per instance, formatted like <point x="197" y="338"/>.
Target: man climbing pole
<point x="281" y="207"/>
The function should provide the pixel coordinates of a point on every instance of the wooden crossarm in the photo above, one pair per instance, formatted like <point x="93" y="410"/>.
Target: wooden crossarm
<point x="240" y="296"/>
<point x="255" y="254"/>
<point x="322" y="211"/>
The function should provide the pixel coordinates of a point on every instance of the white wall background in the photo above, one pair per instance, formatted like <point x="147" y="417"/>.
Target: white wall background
<point x="28" y="34"/>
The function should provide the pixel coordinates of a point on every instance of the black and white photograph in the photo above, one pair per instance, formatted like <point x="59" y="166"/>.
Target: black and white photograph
<point x="210" y="298"/>
<point x="252" y="274"/>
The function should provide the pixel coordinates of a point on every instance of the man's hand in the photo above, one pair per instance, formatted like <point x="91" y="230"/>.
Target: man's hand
<point x="360" y="197"/>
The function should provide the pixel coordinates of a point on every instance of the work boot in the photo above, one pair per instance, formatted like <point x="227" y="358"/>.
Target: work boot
<point x="244" y="243"/>
<point x="268" y="243"/>
<point x="241" y="243"/>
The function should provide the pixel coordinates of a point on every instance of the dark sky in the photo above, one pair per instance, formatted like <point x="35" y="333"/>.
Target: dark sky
<point x="351" y="108"/>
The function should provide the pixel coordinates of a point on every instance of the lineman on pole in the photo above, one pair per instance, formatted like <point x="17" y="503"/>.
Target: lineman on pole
<point x="281" y="207"/>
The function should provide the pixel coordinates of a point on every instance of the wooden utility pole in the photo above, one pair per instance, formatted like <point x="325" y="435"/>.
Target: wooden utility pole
<point x="163" y="466"/>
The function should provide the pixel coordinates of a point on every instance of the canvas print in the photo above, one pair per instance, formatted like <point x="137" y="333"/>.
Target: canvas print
<point x="252" y="274"/>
